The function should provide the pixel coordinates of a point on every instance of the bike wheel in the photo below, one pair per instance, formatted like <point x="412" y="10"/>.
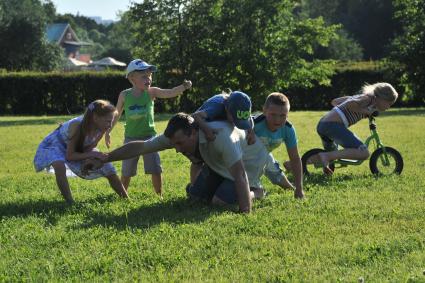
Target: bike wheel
<point x="378" y="165"/>
<point x="309" y="166"/>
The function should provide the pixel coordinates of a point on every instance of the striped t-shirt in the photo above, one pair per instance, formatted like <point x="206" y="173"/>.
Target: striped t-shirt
<point x="350" y="116"/>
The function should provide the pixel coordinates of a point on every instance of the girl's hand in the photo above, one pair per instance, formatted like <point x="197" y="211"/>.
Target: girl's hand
<point x="90" y="164"/>
<point x="187" y="84"/>
<point x="107" y="139"/>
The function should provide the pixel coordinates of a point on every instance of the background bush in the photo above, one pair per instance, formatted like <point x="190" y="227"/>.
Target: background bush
<point x="65" y="93"/>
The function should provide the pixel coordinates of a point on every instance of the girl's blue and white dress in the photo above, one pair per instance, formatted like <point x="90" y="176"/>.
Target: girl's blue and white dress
<point x="53" y="148"/>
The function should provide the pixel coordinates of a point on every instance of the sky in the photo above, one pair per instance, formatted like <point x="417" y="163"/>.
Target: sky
<point x="107" y="9"/>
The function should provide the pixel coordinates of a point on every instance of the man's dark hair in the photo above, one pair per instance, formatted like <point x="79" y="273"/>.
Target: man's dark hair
<point x="180" y="121"/>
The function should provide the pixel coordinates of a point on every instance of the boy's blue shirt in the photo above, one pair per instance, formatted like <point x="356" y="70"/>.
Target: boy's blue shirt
<point x="285" y="134"/>
<point x="214" y="108"/>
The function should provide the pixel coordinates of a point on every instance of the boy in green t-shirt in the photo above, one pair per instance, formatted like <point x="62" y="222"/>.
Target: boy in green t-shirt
<point x="138" y="104"/>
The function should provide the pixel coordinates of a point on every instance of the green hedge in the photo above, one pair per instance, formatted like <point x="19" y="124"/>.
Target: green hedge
<point x="65" y="93"/>
<point x="56" y="93"/>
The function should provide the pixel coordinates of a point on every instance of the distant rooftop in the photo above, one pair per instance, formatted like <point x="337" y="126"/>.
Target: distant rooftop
<point x="55" y="32"/>
<point x="62" y="33"/>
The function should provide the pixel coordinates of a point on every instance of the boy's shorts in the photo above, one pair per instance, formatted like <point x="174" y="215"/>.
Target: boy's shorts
<point x="209" y="184"/>
<point x="273" y="171"/>
<point x="151" y="161"/>
<point x="334" y="134"/>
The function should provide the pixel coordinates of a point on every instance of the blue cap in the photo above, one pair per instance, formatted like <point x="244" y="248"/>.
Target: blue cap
<point x="139" y="65"/>
<point x="239" y="106"/>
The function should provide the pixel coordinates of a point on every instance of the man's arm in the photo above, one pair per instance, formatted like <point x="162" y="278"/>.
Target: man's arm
<point x="136" y="148"/>
<point x="237" y="171"/>
<point x="297" y="170"/>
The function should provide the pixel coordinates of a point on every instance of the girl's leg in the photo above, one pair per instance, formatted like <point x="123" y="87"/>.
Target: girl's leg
<point x="337" y="133"/>
<point x="157" y="183"/>
<point x="116" y="184"/>
<point x="361" y="153"/>
<point x="62" y="181"/>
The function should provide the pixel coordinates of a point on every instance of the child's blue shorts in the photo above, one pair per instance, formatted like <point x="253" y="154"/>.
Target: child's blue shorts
<point x="334" y="134"/>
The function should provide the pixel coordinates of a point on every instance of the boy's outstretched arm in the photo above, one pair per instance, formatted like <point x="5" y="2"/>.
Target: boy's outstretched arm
<point x="169" y="93"/>
<point x="297" y="170"/>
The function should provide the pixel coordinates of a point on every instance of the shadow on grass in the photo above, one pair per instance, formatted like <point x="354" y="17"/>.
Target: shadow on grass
<point x="172" y="212"/>
<point x="323" y="180"/>
<point x="51" y="210"/>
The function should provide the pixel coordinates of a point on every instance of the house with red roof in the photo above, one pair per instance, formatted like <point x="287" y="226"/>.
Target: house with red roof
<point x="64" y="36"/>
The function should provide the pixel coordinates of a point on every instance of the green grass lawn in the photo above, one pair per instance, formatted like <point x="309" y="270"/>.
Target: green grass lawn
<point x="349" y="226"/>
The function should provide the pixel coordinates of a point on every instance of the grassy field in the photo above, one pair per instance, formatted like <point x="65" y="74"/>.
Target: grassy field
<point x="350" y="226"/>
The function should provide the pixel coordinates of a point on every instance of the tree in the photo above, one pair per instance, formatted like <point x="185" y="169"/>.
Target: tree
<point x="408" y="49"/>
<point x="369" y="23"/>
<point x="120" y="39"/>
<point x="22" y="37"/>
<point x="254" y="45"/>
<point x="342" y="48"/>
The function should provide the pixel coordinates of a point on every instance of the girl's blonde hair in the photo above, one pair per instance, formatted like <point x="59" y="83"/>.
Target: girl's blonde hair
<point x="381" y="90"/>
<point x="99" y="108"/>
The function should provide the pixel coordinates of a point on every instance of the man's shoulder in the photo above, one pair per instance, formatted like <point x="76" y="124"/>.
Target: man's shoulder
<point x="225" y="133"/>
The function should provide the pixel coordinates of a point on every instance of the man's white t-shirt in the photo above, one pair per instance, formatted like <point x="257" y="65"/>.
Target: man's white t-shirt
<point x="229" y="146"/>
